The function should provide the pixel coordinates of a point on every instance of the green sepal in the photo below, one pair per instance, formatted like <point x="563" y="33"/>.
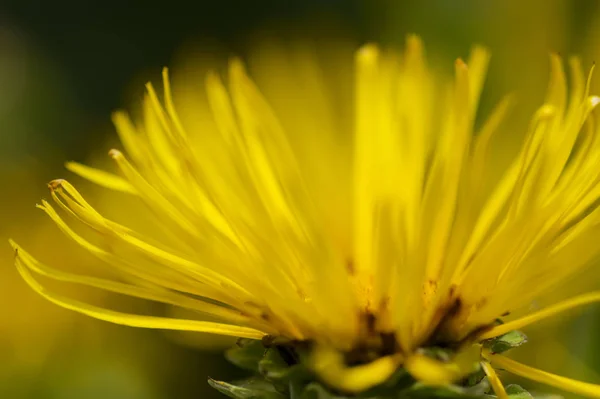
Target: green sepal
<point x="439" y="353"/>
<point x="251" y="388"/>
<point x="269" y="364"/>
<point x="420" y="390"/>
<point x="246" y="354"/>
<point x="314" y="390"/>
<point x="517" y="392"/>
<point x="400" y="381"/>
<point x="281" y="373"/>
<point x="251" y="355"/>
<point x="273" y="367"/>
<point x="505" y="342"/>
<point x="475" y="378"/>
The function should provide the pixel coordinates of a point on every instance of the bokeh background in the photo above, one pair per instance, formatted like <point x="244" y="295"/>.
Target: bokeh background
<point x="66" y="64"/>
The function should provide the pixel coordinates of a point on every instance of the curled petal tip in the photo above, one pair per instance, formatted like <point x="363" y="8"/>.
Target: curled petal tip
<point x="41" y="206"/>
<point x="368" y="51"/>
<point x="413" y="39"/>
<point x="459" y="63"/>
<point x="555" y="56"/>
<point x="13" y="245"/>
<point x="546" y="111"/>
<point x="236" y="68"/>
<point x="115" y="154"/>
<point x="55" y="184"/>
<point x="212" y="78"/>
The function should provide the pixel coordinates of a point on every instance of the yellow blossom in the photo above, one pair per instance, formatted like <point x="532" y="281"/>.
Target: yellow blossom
<point x="428" y="248"/>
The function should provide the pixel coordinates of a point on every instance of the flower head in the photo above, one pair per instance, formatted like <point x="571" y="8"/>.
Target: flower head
<point x="430" y="250"/>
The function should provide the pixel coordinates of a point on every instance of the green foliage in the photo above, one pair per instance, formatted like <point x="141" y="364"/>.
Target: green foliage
<point x="517" y="392"/>
<point x="252" y="388"/>
<point x="274" y="368"/>
<point x="281" y="373"/>
<point x="505" y="342"/>
<point x="315" y="390"/>
<point x="419" y="390"/>
<point x="246" y="354"/>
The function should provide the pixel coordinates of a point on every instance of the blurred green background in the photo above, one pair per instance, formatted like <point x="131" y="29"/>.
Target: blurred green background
<point x="65" y="65"/>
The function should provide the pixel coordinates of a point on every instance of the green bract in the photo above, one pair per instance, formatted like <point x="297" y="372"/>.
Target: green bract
<point x="281" y="372"/>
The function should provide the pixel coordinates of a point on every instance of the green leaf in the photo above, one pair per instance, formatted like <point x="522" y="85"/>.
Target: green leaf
<point x="274" y="368"/>
<point x="246" y="354"/>
<point x="443" y="354"/>
<point x="399" y="381"/>
<point x="475" y="378"/>
<point x="284" y="375"/>
<point x="315" y="390"/>
<point x="272" y="365"/>
<point x="505" y="342"/>
<point x="517" y="392"/>
<point x="252" y="388"/>
<point x="419" y="390"/>
<point x="478" y="389"/>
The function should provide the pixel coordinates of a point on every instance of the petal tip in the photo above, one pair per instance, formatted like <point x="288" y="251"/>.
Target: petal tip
<point x="115" y="154"/>
<point x="55" y="184"/>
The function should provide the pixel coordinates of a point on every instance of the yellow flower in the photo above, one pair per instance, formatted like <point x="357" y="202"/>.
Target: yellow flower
<point x="424" y="246"/>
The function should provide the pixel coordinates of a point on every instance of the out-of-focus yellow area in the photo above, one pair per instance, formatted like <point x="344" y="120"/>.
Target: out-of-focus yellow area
<point x="47" y="118"/>
<point x="47" y="351"/>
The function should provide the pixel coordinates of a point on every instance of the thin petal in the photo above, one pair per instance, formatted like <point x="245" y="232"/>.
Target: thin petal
<point x="152" y="294"/>
<point x="134" y="320"/>
<point x="330" y="365"/>
<point x="435" y="372"/>
<point x="567" y="384"/>
<point x="494" y="380"/>
<point x="101" y="178"/>
<point x="542" y="314"/>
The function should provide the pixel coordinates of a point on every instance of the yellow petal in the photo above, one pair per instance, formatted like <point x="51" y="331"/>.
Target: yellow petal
<point x="567" y="384"/>
<point x="134" y="320"/>
<point x="329" y="366"/>
<point x="100" y="177"/>
<point x="494" y="381"/>
<point x="581" y="300"/>
<point x="435" y="372"/>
